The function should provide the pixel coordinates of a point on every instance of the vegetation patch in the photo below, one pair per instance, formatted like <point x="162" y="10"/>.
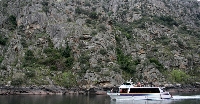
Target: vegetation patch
<point x="1" y="59"/>
<point x="126" y="62"/>
<point x="103" y="51"/>
<point x="45" y="7"/>
<point x="179" y="76"/>
<point x="158" y="65"/>
<point x="166" y="21"/>
<point x="17" y="82"/>
<point x="3" y="40"/>
<point x="10" y="23"/>
<point x="66" y="79"/>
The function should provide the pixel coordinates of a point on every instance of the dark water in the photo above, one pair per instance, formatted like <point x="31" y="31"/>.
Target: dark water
<point x="95" y="99"/>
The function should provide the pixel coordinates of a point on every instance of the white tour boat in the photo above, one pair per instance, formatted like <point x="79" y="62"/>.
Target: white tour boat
<point x="127" y="91"/>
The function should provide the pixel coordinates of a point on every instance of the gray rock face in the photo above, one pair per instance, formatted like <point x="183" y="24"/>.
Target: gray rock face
<point x="163" y="35"/>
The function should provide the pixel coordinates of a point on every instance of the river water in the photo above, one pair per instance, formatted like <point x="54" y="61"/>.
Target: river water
<point x="189" y="98"/>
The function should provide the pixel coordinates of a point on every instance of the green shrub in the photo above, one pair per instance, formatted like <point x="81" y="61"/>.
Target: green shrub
<point x="24" y="43"/>
<point x="11" y="23"/>
<point x="179" y="76"/>
<point x="30" y="73"/>
<point x="79" y="10"/>
<point x="126" y="30"/>
<point x="66" y="52"/>
<point x="3" y="40"/>
<point x="165" y="20"/>
<point x="103" y="51"/>
<point x="84" y="67"/>
<point x="3" y="67"/>
<point x="1" y="59"/>
<point x="93" y="15"/>
<point x="126" y="62"/>
<point x="97" y="69"/>
<point x="45" y="7"/>
<point x="69" y="62"/>
<point x="88" y="21"/>
<point x="17" y="82"/>
<point x="102" y="27"/>
<point x="67" y="80"/>
<point x="29" y="58"/>
<point x="164" y="40"/>
<point x="186" y="30"/>
<point x="159" y="66"/>
<point x="84" y="58"/>
<point x="87" y="4"/>
<point x="93" y="33"/>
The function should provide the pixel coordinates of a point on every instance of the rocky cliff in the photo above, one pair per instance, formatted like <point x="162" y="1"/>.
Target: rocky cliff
<point x="99" y="42"/>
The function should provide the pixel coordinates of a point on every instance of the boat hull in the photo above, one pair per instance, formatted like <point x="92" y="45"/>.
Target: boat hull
<point x="139" y="96"/>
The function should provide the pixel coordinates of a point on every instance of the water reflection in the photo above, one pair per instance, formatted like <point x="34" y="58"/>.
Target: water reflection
<point x="54" y="99"/>
<point x="143" y="102"/>
<point x="92" y="99"/>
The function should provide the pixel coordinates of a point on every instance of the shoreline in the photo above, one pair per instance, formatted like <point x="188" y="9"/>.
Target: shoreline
<point x="5" y="90"/>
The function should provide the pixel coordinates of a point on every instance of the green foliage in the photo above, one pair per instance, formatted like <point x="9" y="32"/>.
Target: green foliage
<point x="186" y="30"/>
<point x="93" y="33"/>
<point x="180" y="43"/>
<point x="79" y="10"/>
<point x="126" y="63"/>
<point x="29" y="58"/>
<point x="58" y="59"/>
<point x="17" y="82"/>
<point x="3" y="67"/>
<point x="141" y="22"/>
<point x="4" y="3"/>
<point x="1" y="59"/>
<point x="30" y="73"/>
<point x="69" y="20"/>
<point x="3" y="40"/>
<point x="88" y="21"/>
<point x="195" y="72"/>
<point x="24" y="43"/>
<point x="103" y="51"/>
<point x="11" y="23"/>
<point x="93" y="15"/>
<point x="159" y="66"/>
<point x="126" y="30"/>
<point x="179" y="76"/>
<point x="84" y="59"/>
<point x="84" y="67"/>
<point x="163" y="39"/>
<point x="102" y="27"/>
<point x="84" y="62"/>
<point x="165" y="20"/>
<point x="69" y="56"/>
<point x="97" y="69"/>
<point x="67" y="79"/>
<point x="118" y="39"/>
<point x="45" y="7"/>
<point x="87" y="3"/>
<point x="67" y="52"/>
<point x="69" y="62"/>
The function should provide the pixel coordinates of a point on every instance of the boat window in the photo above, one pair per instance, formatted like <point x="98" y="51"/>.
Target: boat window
<point x="124" y="90"/>
<point x="144" y="90"/>
<point x="126" y="84"/>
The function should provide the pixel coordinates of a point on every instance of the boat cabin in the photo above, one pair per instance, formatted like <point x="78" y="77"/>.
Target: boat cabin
<point x="128" y="87"/>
